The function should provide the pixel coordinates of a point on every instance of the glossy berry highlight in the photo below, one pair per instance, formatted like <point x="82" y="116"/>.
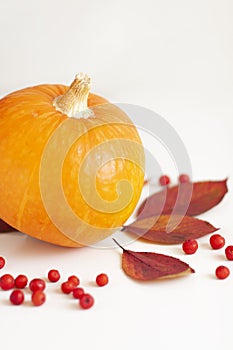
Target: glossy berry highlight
<point x="53" y="275"/>
<point x="78" y="292"/>
<point x="217" y="241"/>
<point x="229" y="252"/>
<point x="21" y="281"/>
<point x="7" y="282"/>
<point x="102" y="279"/>
<point x="2" y="262"/>
<point x="38" y="298"/>
<point x="222" y="272"/>
<point x="164" y="180"/>
<point x="190" y="246"/>
<point x="67" y="287"/>
<point x="37" y="284"/>
<point x="74" y="279"/>
<point x="17" y="297"/>
<point x="86" y="301"/>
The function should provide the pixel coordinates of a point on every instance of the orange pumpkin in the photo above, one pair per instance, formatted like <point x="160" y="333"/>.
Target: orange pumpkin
<point x="71" y="163"/>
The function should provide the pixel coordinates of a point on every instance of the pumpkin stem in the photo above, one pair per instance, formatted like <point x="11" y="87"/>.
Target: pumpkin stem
<point x="74" y="102"/>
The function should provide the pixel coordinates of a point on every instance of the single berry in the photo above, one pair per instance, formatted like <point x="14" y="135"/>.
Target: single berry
<point x="67" y="287"/>
<point x="190" y="246"/>
<point x="2" y="262"/>
<point x="7" y="282"/>
<point x="217" y="241"/>
<point x="37" y="284"/>
<point x="74" y="280"/>
<point x="21" y="281"/>
<point x="17" y="297"/>
<point x="229" y="252"/>
<point x="86" y="301"/>
<point x="164" y="180"/>
<point x="222" y="272"/>
<point x="78" y="292"/>
<point x="184" y="178"/>
<point x="102" y="279"/>
<point x="38" y="298"/>
<point x="53" y="275"/>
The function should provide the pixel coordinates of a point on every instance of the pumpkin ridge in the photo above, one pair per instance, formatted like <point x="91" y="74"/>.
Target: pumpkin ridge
<point x="24" y="200"/>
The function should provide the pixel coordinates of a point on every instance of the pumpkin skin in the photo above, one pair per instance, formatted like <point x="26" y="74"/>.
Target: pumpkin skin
<point x="28" y="123"/>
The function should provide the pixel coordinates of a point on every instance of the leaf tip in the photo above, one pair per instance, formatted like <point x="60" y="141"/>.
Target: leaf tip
<point x="225" y="182"/>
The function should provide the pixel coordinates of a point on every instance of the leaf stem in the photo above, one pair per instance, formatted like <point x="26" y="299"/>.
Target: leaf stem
<point x="118" y="244"/>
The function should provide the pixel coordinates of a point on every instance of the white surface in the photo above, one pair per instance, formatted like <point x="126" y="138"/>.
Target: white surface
<point x="174" y="57"/>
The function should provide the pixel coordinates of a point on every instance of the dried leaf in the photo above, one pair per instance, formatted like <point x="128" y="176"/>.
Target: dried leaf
<point x="187" y="198"/>
<point x="4" y="227"/>
<point x="169" y="229"/>
<point x="147" y="266"/>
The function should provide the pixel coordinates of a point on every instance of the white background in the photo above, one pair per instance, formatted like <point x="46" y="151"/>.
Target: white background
<point x="174" y="57"/>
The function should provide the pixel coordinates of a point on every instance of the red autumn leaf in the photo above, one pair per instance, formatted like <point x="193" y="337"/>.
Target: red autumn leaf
<point x="187" y="198"/>
<point x="169" y="229"/>
<point x="147" y="266"/>
<point x="4" y="227"/>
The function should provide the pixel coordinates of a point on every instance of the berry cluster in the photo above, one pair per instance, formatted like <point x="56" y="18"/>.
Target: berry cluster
<point x="165" y="180"/>
<point x="216" y="242"/>
<point x="38" y="285"/>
